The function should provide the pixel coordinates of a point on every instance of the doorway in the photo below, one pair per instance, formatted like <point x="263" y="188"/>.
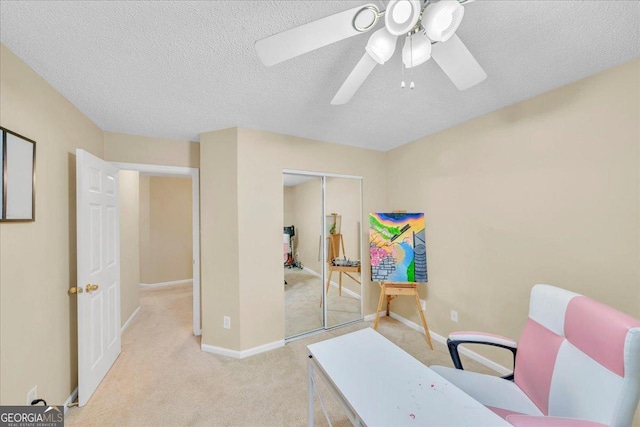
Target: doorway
<point x="322" y="248"/>
<point x="193" y="174"/>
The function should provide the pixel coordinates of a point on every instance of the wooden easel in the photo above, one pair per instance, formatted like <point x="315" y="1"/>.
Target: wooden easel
<point x="391" y="290"/>
<point x="335" y="243"/>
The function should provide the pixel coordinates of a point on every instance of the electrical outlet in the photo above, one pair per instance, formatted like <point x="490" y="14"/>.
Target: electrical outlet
<point x="32" y="395"/>
<point x="227" y="322"/>
<point x="423" y="305"/>
<point x="454" y="316"/>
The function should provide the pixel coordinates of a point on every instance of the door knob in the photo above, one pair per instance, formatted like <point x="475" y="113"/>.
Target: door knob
<point x="90" y="288"/>
<point x="75" y="290"/>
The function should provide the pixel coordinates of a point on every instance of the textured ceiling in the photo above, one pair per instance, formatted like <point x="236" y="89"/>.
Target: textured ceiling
<point x="174" y="69"/>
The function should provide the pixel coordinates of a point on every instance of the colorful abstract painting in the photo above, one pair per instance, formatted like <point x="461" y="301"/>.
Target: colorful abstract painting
<point x="397" y="247"/>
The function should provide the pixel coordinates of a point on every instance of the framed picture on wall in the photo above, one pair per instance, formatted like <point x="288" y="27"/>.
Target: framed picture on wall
<point x="18" y="177"/>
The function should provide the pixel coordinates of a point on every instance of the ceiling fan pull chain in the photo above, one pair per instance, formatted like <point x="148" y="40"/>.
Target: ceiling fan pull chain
<point x="411" y="86"/>
<point x="402" y="85"/>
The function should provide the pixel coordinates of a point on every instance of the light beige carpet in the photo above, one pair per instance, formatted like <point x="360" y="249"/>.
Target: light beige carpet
<point x="162" y="378"/>
<point x="303" y="312"/>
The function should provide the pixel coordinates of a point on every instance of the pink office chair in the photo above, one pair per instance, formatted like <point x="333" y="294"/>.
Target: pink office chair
<point x="577" y="364"/>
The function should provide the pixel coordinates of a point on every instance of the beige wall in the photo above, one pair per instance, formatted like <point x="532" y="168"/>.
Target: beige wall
<point x="287" y="205"/>
<point x="164" y="256"/>
<point x="307" y="217"/>
<point x="545" y="191"/>
<point x="255" y="285"/>
<point x="262" y="157"/>
<point x="129" y="244"/>
<point x="119" y="147"/>
<point x="342" y="195"/>
<point x="38" y="345"/>
<point x="38" y="338"/>
<point x="219" y="245"/>
<point x="145" y="227"/>
<point x="169" y="248"/>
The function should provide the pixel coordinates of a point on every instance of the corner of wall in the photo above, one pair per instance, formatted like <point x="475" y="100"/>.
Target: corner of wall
<point x="32" y="107"/>
<point x="219" y="242"/>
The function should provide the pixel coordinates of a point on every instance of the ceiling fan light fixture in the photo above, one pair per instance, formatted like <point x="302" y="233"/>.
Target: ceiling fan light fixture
<point x="401" y="16"/>
<point x="416" y="50"/>
<point x="381" y="45"/>
<point x="442" y="19"/>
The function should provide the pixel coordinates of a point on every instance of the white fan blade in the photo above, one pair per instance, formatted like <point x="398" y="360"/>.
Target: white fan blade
<point x="355" y="79"/>
<point x="457" y="62"/>
<point x="305" y="38"/>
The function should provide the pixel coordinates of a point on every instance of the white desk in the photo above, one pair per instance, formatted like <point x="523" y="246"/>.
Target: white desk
<point x="379" y="384"/>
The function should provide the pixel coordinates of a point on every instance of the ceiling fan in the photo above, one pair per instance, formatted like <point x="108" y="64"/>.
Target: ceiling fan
<point x="428" y="26"/>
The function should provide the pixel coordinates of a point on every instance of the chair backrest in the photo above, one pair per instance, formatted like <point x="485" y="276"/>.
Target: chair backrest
<point x="579" y="358"/>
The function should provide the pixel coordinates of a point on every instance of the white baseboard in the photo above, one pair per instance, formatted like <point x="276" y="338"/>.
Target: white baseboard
<point x="220" y="351"/>
<point x="129" y="320"/>
<point x="334" y="284"/>
<point x="439" y="338"/>
<point x="463" y="350"/>
<point x="310" y="271"/>
<point x="236" y="354"/>
<point x="372" y="317"/>
<point x="70" y="399"/>
<point x="159" y="285"/>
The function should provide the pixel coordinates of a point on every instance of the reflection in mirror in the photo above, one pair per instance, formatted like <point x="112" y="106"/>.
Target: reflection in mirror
<point x="343" y="233"/>
<point x="302" y="267"/>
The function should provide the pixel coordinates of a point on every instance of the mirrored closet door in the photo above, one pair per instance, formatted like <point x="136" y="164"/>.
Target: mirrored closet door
<point x="322" y="249"/>
<point x="302" y="262"/>
<point x="343" y="289"/>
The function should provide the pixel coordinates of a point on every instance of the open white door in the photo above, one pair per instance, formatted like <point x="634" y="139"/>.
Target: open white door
<point x="98" y="248"/>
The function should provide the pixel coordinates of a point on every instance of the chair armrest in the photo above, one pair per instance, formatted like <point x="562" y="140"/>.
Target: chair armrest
<point x="473" y="337"/>
<point x="483" y="338"/>
<point x="540" y="421"/>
